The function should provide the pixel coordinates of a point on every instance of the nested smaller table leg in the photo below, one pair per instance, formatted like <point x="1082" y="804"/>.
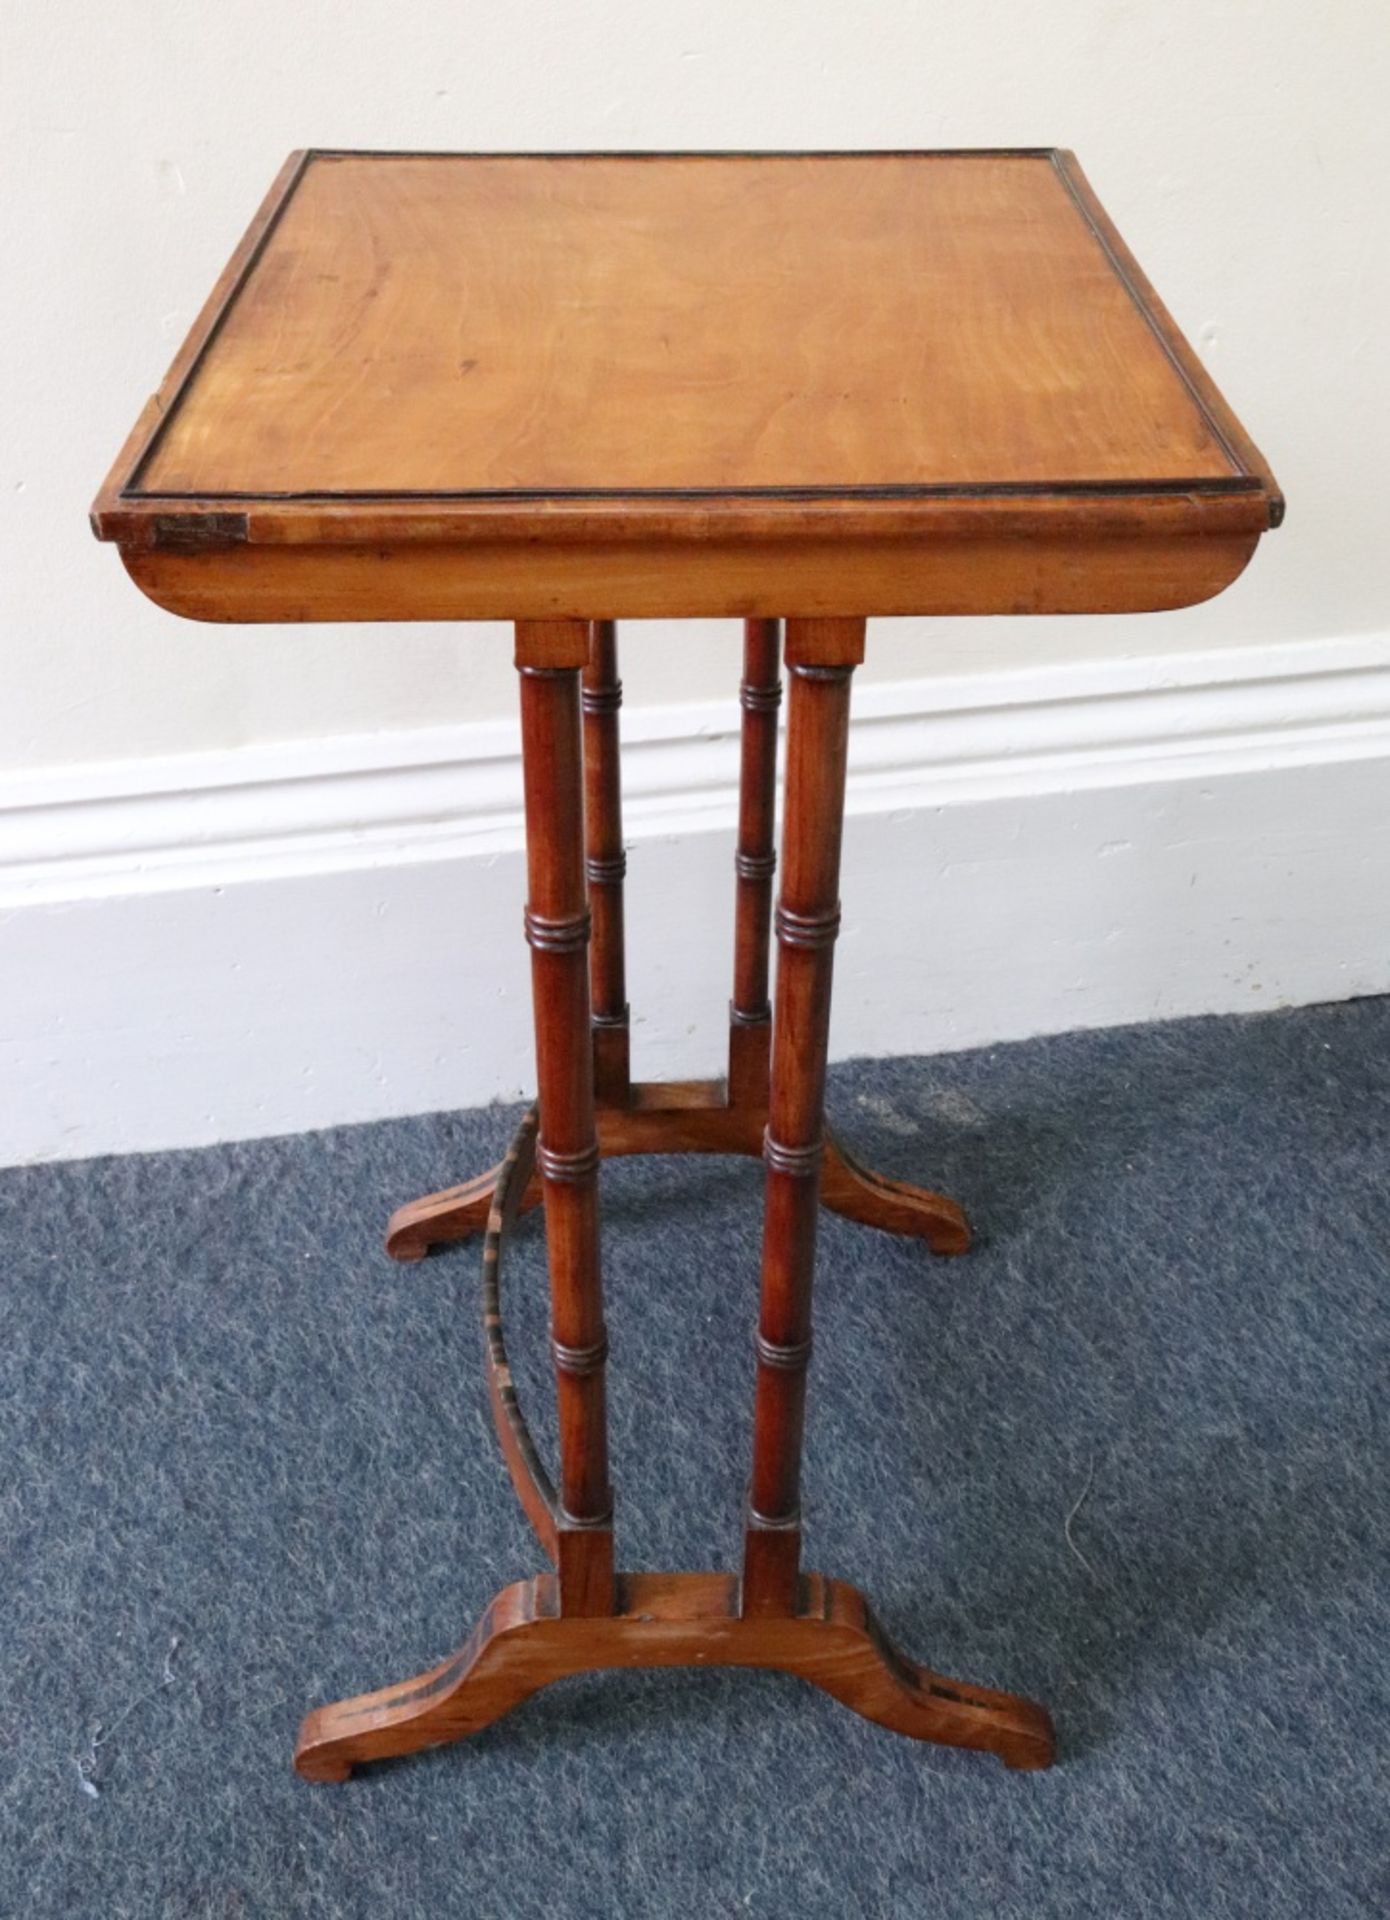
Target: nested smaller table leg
<point x="846" y="1186"/>
<point x="606" y="865"/>
<point x="755" y="863"/>
<point x="821" y="657"/>
<point x="549" y="655"/>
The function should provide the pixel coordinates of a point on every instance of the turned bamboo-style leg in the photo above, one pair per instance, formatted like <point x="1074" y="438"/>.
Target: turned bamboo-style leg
<point x="703" y="1117"/>
<point x="583" y="1617"/>
<point x="528" y="1637"/>
<point x="821" y="658"/>
<point x="755" y="862"/>
<point x="549" y="656"/>
<point x="606" y="864"/>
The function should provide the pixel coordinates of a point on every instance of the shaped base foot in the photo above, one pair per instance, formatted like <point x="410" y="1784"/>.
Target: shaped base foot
<point x="692" y="1117"/>
<point x="523" y="1642"/>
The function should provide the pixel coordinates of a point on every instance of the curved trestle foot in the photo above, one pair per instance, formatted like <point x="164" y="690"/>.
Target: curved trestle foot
<point x="436" y="1219"/>
<point x="523" y="1642"/>
<point x="877" y="1200"/>
<point x="692" y="1117"/>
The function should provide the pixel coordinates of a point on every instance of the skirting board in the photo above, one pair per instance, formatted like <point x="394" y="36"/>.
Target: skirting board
<point x="310" y="933"/>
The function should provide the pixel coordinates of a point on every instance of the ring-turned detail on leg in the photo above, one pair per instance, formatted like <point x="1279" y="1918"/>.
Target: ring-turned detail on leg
<point x="706" y="1116"/>
<point x="524" y="1641"/>
<point x="584" y="1617"/>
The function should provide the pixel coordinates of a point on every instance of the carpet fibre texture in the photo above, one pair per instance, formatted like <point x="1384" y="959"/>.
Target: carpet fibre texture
<point x="1130" y="1457"/>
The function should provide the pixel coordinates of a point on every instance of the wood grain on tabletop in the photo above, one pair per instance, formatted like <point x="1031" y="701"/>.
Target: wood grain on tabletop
<point x="450" y="386"/>
<point x="431" y="324"/>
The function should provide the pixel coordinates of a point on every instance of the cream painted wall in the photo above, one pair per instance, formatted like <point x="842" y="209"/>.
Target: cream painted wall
<point x="1243" y="148"/>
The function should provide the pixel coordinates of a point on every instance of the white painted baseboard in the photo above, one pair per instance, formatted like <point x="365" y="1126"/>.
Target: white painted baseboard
<point x="306" y="933"/>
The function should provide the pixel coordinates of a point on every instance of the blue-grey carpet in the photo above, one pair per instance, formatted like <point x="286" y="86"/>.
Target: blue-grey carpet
<point x="1129" y="1457"/>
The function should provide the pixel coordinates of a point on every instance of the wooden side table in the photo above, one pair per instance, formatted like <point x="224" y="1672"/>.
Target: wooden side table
<point x="566" y="390"/>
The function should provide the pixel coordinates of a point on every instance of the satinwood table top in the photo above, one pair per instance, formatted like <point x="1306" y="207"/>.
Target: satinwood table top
<point x="479" y="385"/>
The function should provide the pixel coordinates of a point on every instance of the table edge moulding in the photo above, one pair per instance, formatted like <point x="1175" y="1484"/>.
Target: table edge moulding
<point x="1082" y="546"/>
